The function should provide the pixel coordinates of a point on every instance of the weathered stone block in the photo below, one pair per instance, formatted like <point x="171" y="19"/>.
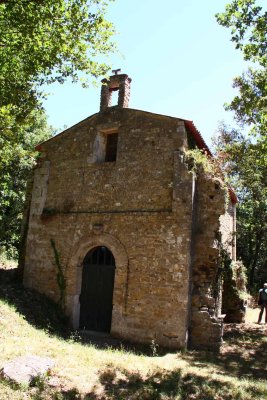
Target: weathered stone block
<point x="23" y="370"/>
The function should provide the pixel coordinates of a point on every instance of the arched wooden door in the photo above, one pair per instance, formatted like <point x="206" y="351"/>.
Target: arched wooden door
<point x="97" y="290"/>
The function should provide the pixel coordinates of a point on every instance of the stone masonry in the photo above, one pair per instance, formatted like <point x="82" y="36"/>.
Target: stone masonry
<point x="160" y="222"/>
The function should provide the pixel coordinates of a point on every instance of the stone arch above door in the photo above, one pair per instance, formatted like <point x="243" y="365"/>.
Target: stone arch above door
<point x="121" y="276"/>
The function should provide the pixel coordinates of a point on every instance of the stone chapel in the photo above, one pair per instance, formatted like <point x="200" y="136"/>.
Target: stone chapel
<point x="115" y="214"/>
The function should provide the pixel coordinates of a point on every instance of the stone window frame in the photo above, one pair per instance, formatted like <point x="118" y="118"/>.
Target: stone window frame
<point x="111" y="150"/>
<point x="100" y="149"/>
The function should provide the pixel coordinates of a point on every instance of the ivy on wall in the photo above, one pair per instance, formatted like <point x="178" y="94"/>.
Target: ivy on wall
<point x="61" y="280"/>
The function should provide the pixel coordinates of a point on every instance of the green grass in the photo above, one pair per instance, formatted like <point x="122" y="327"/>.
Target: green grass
<point x="31" y="324"/>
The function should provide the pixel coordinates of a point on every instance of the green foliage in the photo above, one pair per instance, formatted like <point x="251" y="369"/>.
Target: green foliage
<point x="248" y="24"/>
<point x="246" y="159"/>
<point x="41" y="42"/>
<point x="199" y="160"/>
<point x="245" y="162"/>
<point x="17" y="157"/>
<point x="247" y="21"/>
<point x="48" y="41"/>
<point x="233" y="273"/>
<point x="61" y="281"/>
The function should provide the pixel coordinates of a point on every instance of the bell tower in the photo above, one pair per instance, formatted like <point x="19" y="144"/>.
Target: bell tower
<point x="117" y="82"/>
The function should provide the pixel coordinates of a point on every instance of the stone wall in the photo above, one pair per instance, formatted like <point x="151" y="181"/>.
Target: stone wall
<point x="234" y="292"/>
<point x="144" y="145"/>
<point x="233" y="302"/>
<point x="228" y="230"/>
<point x="206" y="325"/>
<point x="146" y="208"/>
<point x="126" y="206"/>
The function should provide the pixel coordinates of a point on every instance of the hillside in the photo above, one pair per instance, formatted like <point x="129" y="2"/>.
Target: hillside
<point x="31" y="324"/>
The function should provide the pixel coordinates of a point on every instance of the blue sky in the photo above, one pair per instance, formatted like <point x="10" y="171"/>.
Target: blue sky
<point x="180" y="60"/>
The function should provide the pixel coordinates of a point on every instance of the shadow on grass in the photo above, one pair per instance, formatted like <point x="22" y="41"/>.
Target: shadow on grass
<point x="243" y="354"/>
<point x="120" y="385"/>
<point x="37" y="309"/>
<point x="43" y="313"/>
<point x="10" y="390"/>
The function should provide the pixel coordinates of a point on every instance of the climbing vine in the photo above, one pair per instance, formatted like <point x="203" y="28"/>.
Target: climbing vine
<point x="234" y="282"/>
<point x="61" y="281"/>
<point x="233" y="270"/>
<point x="198" y="160"/>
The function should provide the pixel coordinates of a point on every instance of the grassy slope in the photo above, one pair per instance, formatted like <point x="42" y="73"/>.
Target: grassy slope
<point x="83" y="371"/>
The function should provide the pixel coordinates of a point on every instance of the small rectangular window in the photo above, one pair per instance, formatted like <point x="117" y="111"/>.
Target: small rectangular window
<point x="111" y="147"/>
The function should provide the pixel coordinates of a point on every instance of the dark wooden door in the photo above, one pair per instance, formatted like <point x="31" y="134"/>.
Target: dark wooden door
<point x="97" y="290"/>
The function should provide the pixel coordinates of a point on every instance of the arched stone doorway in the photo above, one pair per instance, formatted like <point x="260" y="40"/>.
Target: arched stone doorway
<point x="96" y="299"/>
<point x="74" y="274"/>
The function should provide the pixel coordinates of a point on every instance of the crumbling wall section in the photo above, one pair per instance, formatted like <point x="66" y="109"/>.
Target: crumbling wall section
<point x="234" y="282"/>
<point x="228" y="230"/>
<point x="234" y="292"/>
<point x="206" y="326"/>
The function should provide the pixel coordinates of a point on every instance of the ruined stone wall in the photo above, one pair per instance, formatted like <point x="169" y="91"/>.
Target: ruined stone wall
<point x="234" y="292"/>
<point x="228" y="230"/>
<point x="233" y="303"/>
<point x="234" y="283"/>
<point x="139" y="207"/>
<point x="209" y="204"/>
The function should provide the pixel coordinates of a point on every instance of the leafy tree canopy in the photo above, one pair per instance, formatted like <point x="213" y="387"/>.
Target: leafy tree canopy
<point x="45" y="41"/>
<point x="41" y="42"/>
<point x="248" y="24"/>
<point x="239" y="155"/>
<point x="17" y="158"/>
<point x="245" y="158"/>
